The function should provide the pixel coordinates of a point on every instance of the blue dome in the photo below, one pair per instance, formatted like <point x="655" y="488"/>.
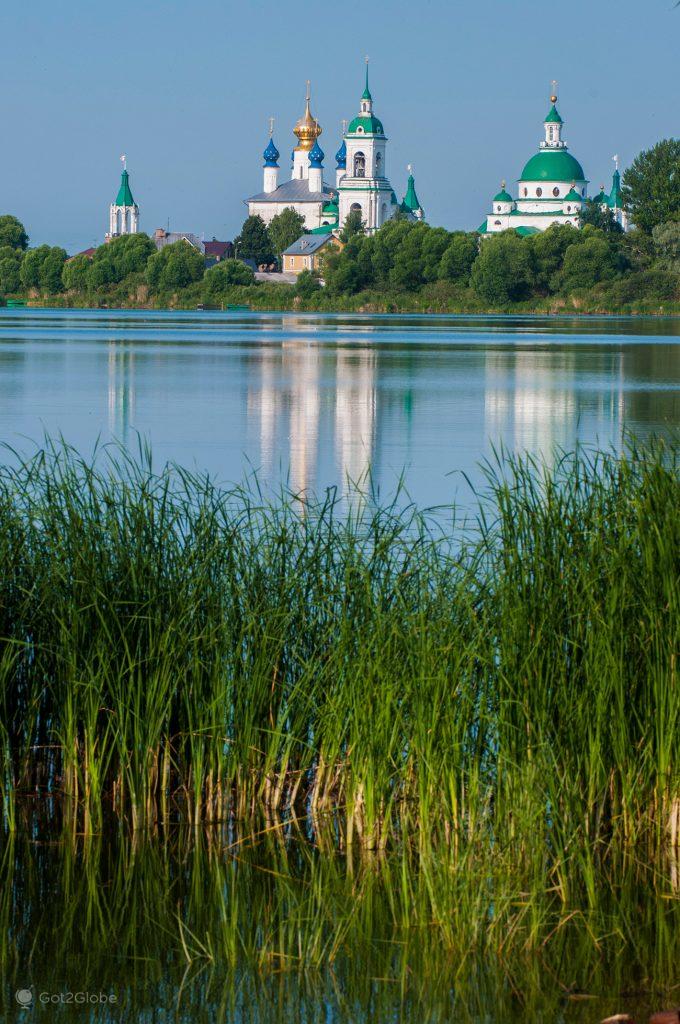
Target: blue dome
<point x="316" y="156"/>
<point x="271" y="155"/>
<point x="341" y="156"/>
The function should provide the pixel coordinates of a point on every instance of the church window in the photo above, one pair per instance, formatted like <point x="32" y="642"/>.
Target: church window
<point x="526" y="191"/>
<point x="378" y="163"/>
<point x="359" y="165"/>
<point x="583" y="191"/>
<point x="118" y="219"/>
<point x="569" y="209"/>
<point x="497" y="222"/>
<point x="539" y="192"/>
<point x="556" y="191"/>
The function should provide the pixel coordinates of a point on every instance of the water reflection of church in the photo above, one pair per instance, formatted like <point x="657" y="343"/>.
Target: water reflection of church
<point x="316" y="406"/>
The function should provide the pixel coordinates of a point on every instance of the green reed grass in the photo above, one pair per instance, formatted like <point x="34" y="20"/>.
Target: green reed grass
<point x="173" y="651"/>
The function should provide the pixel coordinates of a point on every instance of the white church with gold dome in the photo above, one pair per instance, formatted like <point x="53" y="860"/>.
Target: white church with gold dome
<point x="361" y="182"/>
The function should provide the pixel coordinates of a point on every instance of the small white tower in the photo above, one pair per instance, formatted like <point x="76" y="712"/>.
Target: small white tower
<point x="271" y="162"/>
<point x="124" y="213"/>
<point x="553" y="125"/>
<point x="315" y="174"/>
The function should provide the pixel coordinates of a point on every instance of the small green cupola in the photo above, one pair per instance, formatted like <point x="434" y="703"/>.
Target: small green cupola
<point x="503" y="196"/>
<point x="573" y="196"/>
<point x="124" y="197"/>
<point x="553" y="116"/>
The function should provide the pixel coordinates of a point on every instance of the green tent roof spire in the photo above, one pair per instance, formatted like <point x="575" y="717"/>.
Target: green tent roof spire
<point x="366" y="95"/>
<point x="411" y="201"/>
<point x="124" y="197"/>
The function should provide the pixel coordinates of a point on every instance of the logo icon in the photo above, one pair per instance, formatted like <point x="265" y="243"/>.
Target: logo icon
<point x="24" y="996"/>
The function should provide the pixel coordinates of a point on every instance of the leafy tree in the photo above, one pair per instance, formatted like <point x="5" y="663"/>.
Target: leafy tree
<point x="12" y="233"/>
<point x="31" y="266"/>
<point x="75" y="275"/>
<point x="218" y="280"/>
<point x="174" y="266"/>
<point x="341" y="272"/>
<point x="599" y="217"/>
<point x="408" y="266"/>
<point x="307" y="284"/>
<point x="593" y="260"/>
<point x="549" y="247"/>
<point x="459" y="256"/>
<point x="353" y="225"/>
<point x="51" y="270"/>
<point x="435" y="242"/>
<point x="651" y="185"/>
<point x="254" y="242"/>
<point x="100" y="273"/>
<point x="10" y="265"/>
<point x="122" y="256"/>
<point x="504" y="270"/>
<point x="667" y="245"/>
<point x="285" y="228"/>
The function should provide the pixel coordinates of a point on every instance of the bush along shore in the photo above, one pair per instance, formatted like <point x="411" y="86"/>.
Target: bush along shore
<point x="170" y="651"/>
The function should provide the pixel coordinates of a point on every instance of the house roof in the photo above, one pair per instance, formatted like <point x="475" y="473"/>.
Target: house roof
<point x="169" y="237"/>
<point x="294" y="191"/>
<point x="219" y="249"/>
<point x="306" y="245"/>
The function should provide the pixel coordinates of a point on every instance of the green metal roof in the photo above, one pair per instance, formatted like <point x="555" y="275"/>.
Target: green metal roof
<point x="573" y="196"/>
<point x="124" y="197"/>
<point x="526" y="231"/>
<point x="553" y="117"/>
<point x="324" y="229"/>
<point x="614" y="199"/>
<point x="481" y="230"/>
<point x="370" y="124"/>
<point x="553" y="165"/>
<point x="411" y="201"/>
<point x="331" y="207"/>
<point x="503" y="197"/>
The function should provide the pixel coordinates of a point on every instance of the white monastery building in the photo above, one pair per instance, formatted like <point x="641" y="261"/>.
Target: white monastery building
<point x="552" y="188"/>
<point x="361" y="181"/>
<point x="124" y="213"/>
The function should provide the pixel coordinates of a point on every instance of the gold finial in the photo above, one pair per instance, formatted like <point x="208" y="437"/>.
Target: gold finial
<point x="307" y="128"/>
<point x="553" y="91"/>
<point x="503" y="185"/>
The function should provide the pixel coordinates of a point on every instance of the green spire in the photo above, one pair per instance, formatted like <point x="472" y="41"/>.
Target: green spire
<point x="553" y="116"/>
<point x="124" y="197"/>
<point x="615" y="201"/>
<point x="366" y="95"/>
<point x="411" y="201"/>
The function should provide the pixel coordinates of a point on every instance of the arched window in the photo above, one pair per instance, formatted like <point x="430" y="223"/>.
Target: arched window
<point x="526" y="191"/>
<point x="127" y="222"/>
<point x="539" y="192"/>
<point x="497" y="222"/>
<point x="556" y="191"/>
<point x="359" y="165"/>
<point x="378" y="164"/>
<point x="384" y="211"/>
<point x="118" y="221"/>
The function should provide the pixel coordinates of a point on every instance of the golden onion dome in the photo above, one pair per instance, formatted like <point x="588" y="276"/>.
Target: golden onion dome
<point x="307" y="128"/>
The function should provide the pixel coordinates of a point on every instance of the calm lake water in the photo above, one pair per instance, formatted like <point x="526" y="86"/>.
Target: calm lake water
<point x="313" y="400"/>
<point x="317" y="399"/>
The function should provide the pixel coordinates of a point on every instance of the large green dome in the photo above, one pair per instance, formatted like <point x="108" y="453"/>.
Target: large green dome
<point x="553" y="165"/>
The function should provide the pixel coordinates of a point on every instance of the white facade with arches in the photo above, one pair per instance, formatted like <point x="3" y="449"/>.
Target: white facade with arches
<point x="124" y="213"/>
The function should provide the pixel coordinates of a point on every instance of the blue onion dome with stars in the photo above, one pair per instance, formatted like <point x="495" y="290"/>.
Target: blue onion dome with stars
<point x="341" y="157"/>
<point x="271" y="155"/>
<point x="316" y="155"/>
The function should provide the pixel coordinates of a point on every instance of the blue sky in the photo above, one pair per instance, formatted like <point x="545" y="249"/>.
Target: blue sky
<point x="186" y="91"/>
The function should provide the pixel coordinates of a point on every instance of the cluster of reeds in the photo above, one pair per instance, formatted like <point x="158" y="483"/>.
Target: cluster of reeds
<point x="170" y="650"/>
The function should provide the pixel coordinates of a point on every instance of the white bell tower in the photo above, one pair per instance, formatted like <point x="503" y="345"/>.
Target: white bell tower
<point x="124" y="213"/>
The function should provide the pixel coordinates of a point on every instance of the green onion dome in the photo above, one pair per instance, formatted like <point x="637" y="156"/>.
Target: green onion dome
<point x="365" y="124"/>
<point x="503" y="196"/>
<point x="553" y="116"/>
<point x="573" y="196"/>
<point x="553" y="165"/>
